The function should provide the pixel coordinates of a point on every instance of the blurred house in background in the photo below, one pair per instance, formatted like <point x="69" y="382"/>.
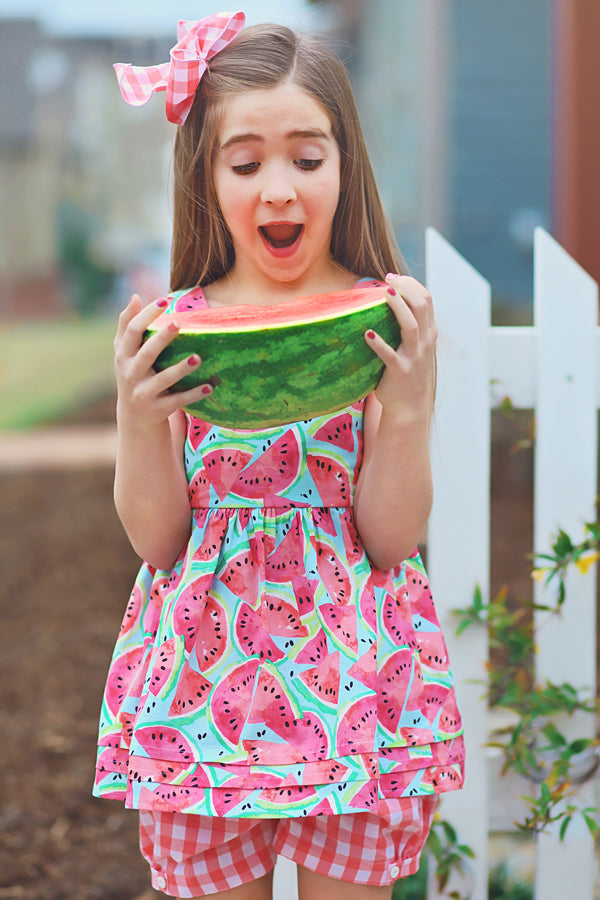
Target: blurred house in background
<point x="475" y="115"/>
<point x="84" y="184"/>
<point x="484" y="121"/>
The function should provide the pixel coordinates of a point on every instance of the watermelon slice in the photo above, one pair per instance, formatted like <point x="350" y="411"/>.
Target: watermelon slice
<point x="299" y="359"/>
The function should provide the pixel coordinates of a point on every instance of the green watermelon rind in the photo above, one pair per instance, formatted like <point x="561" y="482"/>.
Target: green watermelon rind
<point x="271" y="376"/>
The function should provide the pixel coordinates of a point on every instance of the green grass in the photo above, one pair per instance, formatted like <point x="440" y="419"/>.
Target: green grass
<point x="48" y="369"/>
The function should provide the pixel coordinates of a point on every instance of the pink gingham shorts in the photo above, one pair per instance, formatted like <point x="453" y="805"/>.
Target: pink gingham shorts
<point x="192" y="856"/>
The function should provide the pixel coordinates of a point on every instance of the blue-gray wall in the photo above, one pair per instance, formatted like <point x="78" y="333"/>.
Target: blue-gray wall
<point x="500" y="131"/>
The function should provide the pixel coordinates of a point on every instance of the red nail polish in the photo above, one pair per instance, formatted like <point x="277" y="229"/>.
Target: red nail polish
<point x="207" y="389"/>
<point x="193" y="360"/>
<point x="392" y="292"/>
<point x="162" y="303"/>
<point x="370" y="335"/>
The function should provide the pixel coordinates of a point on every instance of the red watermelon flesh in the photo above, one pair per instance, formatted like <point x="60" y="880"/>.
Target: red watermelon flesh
<point x="314" y="650"/>
<point x="199" y="490"/>
<point x="241" y="576"/>
<point x="394" y="678"/>
<point x="450" y="721"/>
<point x="162" y="665"/>
<point x="367" y="798"/>
<point x="432" y="648"/>
<point x="230" y="700"/>
<point x="331" y="480"/>
<point x="365" y="668"/>
<point x="324" y="680"/>
<point x="273" y="472"/>
<point x="130" y="619"/>
<point x="324" y="771"/>
<point x="189" y="608"/>
<point x="164" y="742"/>
<point x="214" y="535"/>
<point x="192" y="692"/>
<point x="165" y="798"/>
<point x="333" y="573"/>
<point x="304" y="593"/>
<point x="397" y="620"/>
<point x="356" y="730"/>
<point x="286" y="559"/>
<point x="252" y="637"/>
<point x="305" y="739"/>
<point x="197" y="431"/>
<point x="341" y="623"/>
<point x="122" y="675"/>
<point x="419" y="594"/>
<point x="212" y="635"/>
<point x="223" y="468"/>
<point x="270" y="703"/>
<point x="338" y="432"/>
<point x="281" y="619"/>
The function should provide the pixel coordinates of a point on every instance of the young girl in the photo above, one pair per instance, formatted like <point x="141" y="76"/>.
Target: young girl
<point x="280" y="684"/>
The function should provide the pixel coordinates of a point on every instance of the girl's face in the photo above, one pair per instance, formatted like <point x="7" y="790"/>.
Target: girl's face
<point x="277" y="179"/>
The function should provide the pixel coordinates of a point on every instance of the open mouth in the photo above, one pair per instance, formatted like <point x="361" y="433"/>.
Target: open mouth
<point x="281" y="236"/>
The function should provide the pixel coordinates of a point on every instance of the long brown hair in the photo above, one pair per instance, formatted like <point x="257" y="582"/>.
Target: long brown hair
<point x="264" y="56"/>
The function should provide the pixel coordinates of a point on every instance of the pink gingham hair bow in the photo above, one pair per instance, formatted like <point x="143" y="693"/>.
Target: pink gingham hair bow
<point x="197" y="42"/>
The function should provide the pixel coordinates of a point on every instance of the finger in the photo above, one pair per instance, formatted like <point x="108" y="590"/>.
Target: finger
<point x="137" y="325"/>
<point x="414" y="315"/>
<point x="151" y="348"/>
<point x="417" y="297"/>
<point x="409" y="325"/>
<point x="167" y="378"/>
<point x="127" y="314"/>
<point x="384" y="351"/>
<point x="181" y="399"/>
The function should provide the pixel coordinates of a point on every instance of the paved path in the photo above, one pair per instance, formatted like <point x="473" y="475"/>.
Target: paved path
<point x="59" y="447"/>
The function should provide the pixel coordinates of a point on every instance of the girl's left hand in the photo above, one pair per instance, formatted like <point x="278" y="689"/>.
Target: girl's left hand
<point x="406" y="388"/>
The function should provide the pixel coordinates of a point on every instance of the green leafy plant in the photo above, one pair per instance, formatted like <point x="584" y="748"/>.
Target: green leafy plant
<point x="504" y="886"/>
<point x="534" y="746"/>
<point x="449" y="856"/>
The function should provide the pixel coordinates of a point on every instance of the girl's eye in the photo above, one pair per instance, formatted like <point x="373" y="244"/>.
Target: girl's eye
<point x="309" y="164"/>
<point x="246" y="168"/>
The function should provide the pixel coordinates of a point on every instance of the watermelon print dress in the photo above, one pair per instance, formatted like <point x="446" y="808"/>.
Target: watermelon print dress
<point x="273" y="671"/>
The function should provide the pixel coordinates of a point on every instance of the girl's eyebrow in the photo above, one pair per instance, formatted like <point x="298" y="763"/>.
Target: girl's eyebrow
<point x="251" y="136"/>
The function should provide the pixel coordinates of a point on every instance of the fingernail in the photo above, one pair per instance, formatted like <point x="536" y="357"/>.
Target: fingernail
<point x="207" y="389"/>
<point x="370" y="335"/>
<point x="173" y="327"/>
<point x="162" y="303"/>
<point x="193" y="360"/>
<point x="391" y="291"/>
<point x="391" y="275"/>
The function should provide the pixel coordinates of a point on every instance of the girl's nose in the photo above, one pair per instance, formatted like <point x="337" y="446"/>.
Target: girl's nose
<point x="278" y="189"/>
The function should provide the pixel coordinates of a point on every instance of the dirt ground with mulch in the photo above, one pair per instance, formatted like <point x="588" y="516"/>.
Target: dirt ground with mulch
<point x="65" y="574"/>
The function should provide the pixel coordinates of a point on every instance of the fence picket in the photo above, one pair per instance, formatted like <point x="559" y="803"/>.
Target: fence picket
<point x="566" y="454"/>
<point x="458" y="534"/>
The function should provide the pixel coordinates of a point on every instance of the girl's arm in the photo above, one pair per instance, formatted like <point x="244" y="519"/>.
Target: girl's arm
<point x="151" y="491"/>
<point x="394" y="491"/>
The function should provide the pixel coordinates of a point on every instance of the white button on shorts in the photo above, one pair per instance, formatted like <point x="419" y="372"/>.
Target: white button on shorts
<point x="394" y="871"/>
<point x="161" y="881"/>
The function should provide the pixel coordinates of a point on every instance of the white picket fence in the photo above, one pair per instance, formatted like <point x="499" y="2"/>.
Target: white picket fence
<point x="552" y="368"/>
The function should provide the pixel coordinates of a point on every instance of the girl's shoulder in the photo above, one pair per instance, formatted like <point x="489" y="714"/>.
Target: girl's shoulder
<point x="186" y="299"/>
<point x="367" y="281"/>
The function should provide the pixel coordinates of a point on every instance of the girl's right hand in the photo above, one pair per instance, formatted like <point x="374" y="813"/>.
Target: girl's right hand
<point x="143" y="394"/>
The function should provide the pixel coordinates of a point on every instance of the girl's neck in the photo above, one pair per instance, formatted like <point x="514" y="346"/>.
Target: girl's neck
<point x="240" y="288"/>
